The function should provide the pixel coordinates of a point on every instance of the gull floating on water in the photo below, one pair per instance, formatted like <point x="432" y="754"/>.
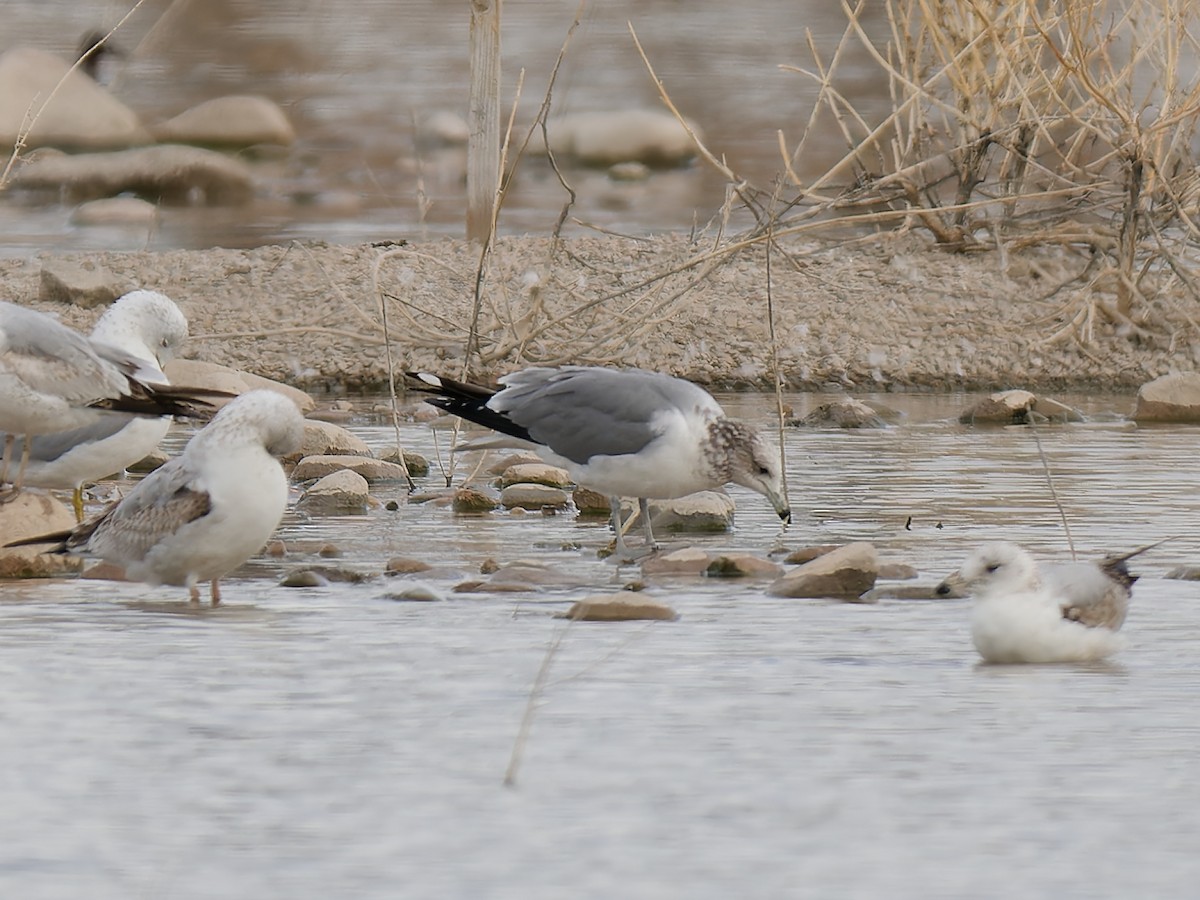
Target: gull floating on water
<point x="52" y="378"/>
<point x="623" y="432"/>
<point x="1068" y="612"/>
<point x="146" y="325"/>
<point x="208" y="510"/>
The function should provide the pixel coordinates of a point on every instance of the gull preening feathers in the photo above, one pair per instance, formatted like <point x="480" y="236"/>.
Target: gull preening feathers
<point x="52" y="378"/>
<point x="208" y="510"/>
<point x="1068" y="612"/>
<point x="146" y="325"/>
<point x="622" y="432"/>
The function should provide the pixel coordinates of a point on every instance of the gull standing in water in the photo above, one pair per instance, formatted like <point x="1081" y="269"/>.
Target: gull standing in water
<point x="623" y="432"/>
<point x="52" y="378"/>
<point x="1068" y="612"/>
<point x="205" y="512"/>
<point x="146" y="325"/>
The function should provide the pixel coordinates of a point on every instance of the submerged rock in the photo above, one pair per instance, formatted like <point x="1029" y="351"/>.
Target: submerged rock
<point x="621" y="607"/>
<point x="742" y="565"/>
<point x="321" y="576"/>
<point x="1171" y="398"/>
<point x="684" y="561"/>
<point x="116" y="211"/>
<point x="1016" y="407"/>
<point x="844" y="573"/>
<point x="844" y="412"/>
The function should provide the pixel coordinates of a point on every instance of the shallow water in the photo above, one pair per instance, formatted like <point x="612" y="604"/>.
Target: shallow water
<point x="332" y="742"/>
<point x="355" y="82"/>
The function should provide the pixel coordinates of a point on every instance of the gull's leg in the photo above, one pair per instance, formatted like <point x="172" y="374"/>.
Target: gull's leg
<point x="9" y="440"/>
<point x="193" y="594"/>
<point x="215" y="585"/>
<point x="77" y="502"/>
<point x="25" y="450"/>
<point x="644" y="509"/>
<point x="26" y="446"/>
<point x="622" y="553"/>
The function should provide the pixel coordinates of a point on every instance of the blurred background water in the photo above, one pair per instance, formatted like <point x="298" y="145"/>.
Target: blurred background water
<point x="357" y="80"/>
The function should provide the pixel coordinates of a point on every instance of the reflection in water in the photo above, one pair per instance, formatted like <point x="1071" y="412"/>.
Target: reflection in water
<point x="332" y="742"/>
<point x="358" y="82"/>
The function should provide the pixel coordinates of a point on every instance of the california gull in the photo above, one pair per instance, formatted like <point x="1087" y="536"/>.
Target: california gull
<point x="208" y="510"/>
<point x="622" y="432"/>
<point x="1067" y="612"/>
<point x="144" y="324"/>
<point x="52" y="378"/>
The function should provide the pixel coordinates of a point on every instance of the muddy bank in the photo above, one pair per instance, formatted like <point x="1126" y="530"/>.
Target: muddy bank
<point x="895" y="315"/>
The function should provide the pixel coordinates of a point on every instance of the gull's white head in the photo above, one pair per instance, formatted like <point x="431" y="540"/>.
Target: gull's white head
<point x="747" y="459"/>
<point x="145" y="323"/>
<point x="261" y="416"/>
<point x="995" y="568"/>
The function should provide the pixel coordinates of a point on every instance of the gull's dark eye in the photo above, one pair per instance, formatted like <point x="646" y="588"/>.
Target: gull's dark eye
<point x="992" y="568"/>
<point x="763" y="470"/>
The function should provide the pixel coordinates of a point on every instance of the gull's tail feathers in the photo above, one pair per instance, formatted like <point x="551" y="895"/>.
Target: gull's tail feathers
<point x="470" y="402"/>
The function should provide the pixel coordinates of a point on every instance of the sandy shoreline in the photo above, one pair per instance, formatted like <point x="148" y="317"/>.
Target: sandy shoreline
<point x="891" y="316"/>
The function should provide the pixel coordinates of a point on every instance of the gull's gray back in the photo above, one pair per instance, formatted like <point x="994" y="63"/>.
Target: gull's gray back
<point x="580" y="412"/>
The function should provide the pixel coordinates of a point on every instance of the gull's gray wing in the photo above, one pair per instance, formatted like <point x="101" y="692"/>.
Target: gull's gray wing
<point x="54" y="359"/>
<point x="580" y="411"/>
<point x="49" y="447"/>
<point x="1089" y="594"/>
<point x="158" y="506"/>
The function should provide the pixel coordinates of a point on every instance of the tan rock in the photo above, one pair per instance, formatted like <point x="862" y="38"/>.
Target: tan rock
<point x="339" y="493"/>
<point x="1171" y="398"/>
<point x="195" y="373"/>
<point x="241" y="120"/>
<point x="620" y="607"/>
<point x="700" y="513"/>
<point x="116" y="211"/>
<point x="372" y="470"/>
<point x="844" y="573"/>
<point x="808" y="554"/>
<point x="532" y="496"/>
<point x="590" y="503"/>
<point x="633" y="135"/>
<point x="684" y="561"/>
<point x="535" y="473"/>
<point x="418" y="465"/>
<point x="742" y="565"/>
<point x="403" y="565"/>
<point x="27" y="515"/>
<point x="469" y="501"/>
<point x="82" y="115"/>
<point x="1000" y="408"/>
<point x="843" y="412"/>
<point x="170" y="173"/>
<point x="327" y="439"/>
<point x="500" y="466"/>
<point x="897" y="571"/>
<point x="82" y="284"/>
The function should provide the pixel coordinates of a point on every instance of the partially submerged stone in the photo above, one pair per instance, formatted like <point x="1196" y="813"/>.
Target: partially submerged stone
<point x="844" y="574"/>
<point x="500" y="466"/>
<point x="808" y="554"/>
<point x="590" y="503"/>
<point x="620" y="607"/>
<point x="82" y="115"/>
<point x="604" y="139"/>
<point x="684" y="561"/>
<point x="129" y="212"/>
<point x="532" y="496"/>
<point x="897" y="571"/>
<point x="30" y="514"/>
<point x="403" y="565"/>
<point x="327" y="439"/>
<point x="416" y="593"/>
<point x="373" y="470"/>
<point x="535" y="473"/>
<point x="1016" y="407"/>
<point x="240" y="120"/>
<point x="742" y="565"/>
<point x="417" y="465"/>
<point x="700" y="513"/>
<point x="339" y="493"/>
<point x="169" y="173"/>
<point x="843" y="412"/>
<point x="1171" y="398"/>
<point x="471" y="501"/>
<point x="322" y="576"/>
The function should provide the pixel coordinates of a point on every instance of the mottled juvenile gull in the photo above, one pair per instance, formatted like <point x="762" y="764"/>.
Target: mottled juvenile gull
<point x="208" y="510"/>
<point x="1068" y="612"/>
<point x="52" y="378"/>
<point x="623" y="432"/>
<point x="147" y="325"/>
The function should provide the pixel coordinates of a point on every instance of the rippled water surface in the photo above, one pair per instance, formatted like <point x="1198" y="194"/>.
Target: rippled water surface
<point x="332" y="742"/>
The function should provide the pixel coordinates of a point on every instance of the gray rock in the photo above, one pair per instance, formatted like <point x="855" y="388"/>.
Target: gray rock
<point x="373" y="470"/>
<point x="236" y="121"/>
<point x="416" y="593"/>
<point x="700" y="513"/>
<point x="619" y="607"/>
<point x="844" y="573"/>
<point x="340" y="493"/>
<point x="1171" y="398"/>
<point x="170" y="173"/>
<point x="82" y="284"/>
<point x="81" y="116"/>
<point x="533" y="496"/>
